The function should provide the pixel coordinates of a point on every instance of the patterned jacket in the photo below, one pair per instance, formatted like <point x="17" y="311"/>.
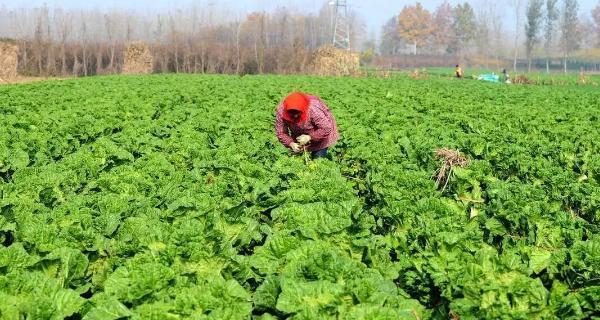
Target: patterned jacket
<point x="320" y="126"/>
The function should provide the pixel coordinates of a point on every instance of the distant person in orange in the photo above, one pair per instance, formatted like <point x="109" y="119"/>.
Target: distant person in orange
<point x="458" y="71"/>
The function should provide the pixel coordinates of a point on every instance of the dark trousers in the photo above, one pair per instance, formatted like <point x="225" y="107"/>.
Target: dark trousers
<point x="319" y="153"/>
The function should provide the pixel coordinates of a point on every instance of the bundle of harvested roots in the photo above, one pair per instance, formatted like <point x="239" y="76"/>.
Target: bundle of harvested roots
<point x="449" y="159"/>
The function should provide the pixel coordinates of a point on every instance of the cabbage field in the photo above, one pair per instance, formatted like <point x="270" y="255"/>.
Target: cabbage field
<point x="169" y="197"/>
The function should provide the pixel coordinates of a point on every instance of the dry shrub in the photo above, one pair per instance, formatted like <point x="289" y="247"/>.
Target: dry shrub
<point x="556" y="82"/>
<point x="449" y="159"/>
<point x="330" y="61"/>
<point x="384" y="74"/>
<point x="419" y="74"/>
<point x="521" y="79"/>
<point x="584" y="79"/>
<point x="8" y="61"/>
<point x="137" y="59"/>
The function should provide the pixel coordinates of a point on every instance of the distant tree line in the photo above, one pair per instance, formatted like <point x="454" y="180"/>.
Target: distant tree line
<point x="210" y="39"/>
<point x="552" y="28"/>
<point x="214" y="39"/>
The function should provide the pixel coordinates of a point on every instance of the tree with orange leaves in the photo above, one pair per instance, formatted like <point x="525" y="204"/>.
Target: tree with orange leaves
<point x="415" y="25"/>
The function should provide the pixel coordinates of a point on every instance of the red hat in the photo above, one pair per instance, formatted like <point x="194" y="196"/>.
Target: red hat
<point x="296" y="101"/>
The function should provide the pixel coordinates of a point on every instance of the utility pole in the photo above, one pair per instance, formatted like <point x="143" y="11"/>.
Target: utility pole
<point x="341" y="29"/>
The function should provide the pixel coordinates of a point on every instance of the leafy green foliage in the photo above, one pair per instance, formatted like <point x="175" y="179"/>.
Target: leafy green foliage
<point x="169" y="197"/>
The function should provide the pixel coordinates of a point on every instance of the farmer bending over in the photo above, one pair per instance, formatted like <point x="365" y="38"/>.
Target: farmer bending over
<point x="304" y="123"/>
<point x="458" y="71"/>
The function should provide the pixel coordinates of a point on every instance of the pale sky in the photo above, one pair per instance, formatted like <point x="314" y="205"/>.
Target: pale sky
<point x="374" y="12"/>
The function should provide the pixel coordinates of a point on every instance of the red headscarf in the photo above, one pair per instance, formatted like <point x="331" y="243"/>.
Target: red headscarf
<point x="296" y="101"/>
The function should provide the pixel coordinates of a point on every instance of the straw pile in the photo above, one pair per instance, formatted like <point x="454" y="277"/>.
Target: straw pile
<point x="137" y="59"/>
<point x="330" y="61"/>
<point x="8" y="61"/>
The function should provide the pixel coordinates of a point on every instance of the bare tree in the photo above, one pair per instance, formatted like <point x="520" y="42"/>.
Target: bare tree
<point x="84" y="41"/>
<point x="325" y="24"/>
<point x="586" y="30"/>
<point x="50" y="51"/>
<point x="483" y="32"/>
<point x="357" y="29"/>
<point x="568" y="26"/>
<point x="464" y="27"/>
<point x="550" y="23"/>
<point x="174" y="42"/>
<point x="63" y="25"/>
<point x="254" y="29"/>
<point x="390" y="38"/>
<point x="110" y="26"/>
<point x="532" y="28"/>
<point x="443" y="17"/>
<point x="496" y="16"/>
<point x="158" y="36"/>
<point x="596" y="18"/>
<point x="41" y="17"/>
<point x="21" y="33"/>
<point x="517" y="5"/>
<point x="235" y="29"/>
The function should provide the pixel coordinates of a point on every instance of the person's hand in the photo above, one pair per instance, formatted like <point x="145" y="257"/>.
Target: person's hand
<point x="295" y="147"/>
<point x="303" y="139"/>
